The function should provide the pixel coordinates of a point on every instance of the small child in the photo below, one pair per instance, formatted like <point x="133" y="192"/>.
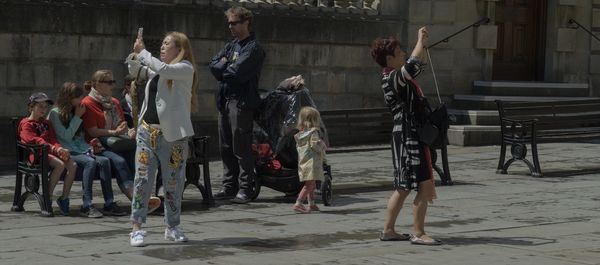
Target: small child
<point x="35" y="129"/>
<point x="311" y="155"/>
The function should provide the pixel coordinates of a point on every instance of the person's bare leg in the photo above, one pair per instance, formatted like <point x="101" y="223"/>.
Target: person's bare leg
<point x="136" y="227"/>
<point x="57" y="169"/>
<point x="420" y="208"/>
<point x="71" y="167"/>
<point x="393" y="209"/>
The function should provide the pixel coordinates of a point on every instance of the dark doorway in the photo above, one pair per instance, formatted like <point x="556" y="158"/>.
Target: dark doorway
<point x="521" y="35"/>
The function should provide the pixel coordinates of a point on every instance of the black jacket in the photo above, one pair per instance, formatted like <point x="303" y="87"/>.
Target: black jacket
<point x="238" y="77"/>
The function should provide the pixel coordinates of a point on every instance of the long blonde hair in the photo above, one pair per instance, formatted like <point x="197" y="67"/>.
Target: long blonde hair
<point x="309" y="117"/>
<point x="182" y="42"/>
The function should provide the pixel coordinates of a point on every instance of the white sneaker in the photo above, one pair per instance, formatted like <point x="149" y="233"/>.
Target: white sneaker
<point x="175" y="234"/>
<point x="136" y="239"/>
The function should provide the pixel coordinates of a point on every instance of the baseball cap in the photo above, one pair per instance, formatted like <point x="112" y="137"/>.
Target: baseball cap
<point x="40" y="97"/>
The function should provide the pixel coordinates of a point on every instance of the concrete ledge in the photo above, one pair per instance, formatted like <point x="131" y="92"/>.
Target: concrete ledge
<point x="473" y="135"/>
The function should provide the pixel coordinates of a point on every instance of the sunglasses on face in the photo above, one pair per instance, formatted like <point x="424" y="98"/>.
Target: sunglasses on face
<point x="233" y="23"/>
<point x="110" y="82"/>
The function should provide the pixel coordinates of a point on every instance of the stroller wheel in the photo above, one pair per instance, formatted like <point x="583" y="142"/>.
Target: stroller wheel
<point x="256" y="188"/>
<point x="326" y="191"/>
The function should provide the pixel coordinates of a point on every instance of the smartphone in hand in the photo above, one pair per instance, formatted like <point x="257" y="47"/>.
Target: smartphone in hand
<point x="140" y="33"/>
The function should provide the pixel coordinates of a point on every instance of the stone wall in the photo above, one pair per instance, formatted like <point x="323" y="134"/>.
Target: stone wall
<point x="45" y="43"/>
<point x="572" y="55"/>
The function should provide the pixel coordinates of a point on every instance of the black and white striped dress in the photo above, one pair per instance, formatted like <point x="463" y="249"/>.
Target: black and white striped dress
<point x="409" y="155"/>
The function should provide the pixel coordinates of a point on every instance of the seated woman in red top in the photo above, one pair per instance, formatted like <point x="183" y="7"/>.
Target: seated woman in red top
<point x="35" y="129"/>
<point x="104" y="117"/>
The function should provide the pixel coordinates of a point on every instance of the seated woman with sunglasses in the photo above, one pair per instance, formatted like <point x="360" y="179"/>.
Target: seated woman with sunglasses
<point x="104" y="118"/>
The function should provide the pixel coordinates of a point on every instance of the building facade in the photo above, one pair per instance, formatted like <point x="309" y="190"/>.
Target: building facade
<point x="45" y="43"/>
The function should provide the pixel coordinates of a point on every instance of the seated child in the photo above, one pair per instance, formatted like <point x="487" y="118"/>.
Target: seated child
<point x="35" y="129"/>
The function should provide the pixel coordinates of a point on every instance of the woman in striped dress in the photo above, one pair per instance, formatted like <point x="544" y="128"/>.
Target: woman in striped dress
<point x="412" y="158"/>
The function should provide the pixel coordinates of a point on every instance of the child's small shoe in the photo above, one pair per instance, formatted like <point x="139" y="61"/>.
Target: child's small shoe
<point x="63" y="205"/>
<point x="299" y="208"/>
<point x="314" y="208"/>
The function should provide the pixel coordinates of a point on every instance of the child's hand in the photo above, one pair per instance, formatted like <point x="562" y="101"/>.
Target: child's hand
<point x="96" y="146"/>
<point x="64" y="154"/>
<point x="79" y="110"/>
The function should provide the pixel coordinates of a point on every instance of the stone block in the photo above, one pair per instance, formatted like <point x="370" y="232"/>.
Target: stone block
<point x="566" y="40"/>
<point x="20" y="76"/>
<point x="14" y="46"/>
<point x="444" y="11"/>
<point x="207" y="104"/>
<point x="278" y="53"/>
<point x="349" y="56"/>
<point x="363" y="82"/>
<point x="595" y="64"/>
<point x="595" y="43"/>
<point x="337" y="80"/>
<point x="346" y="101"/>
<point x="320" y="81"/>
<point x="419" y="11"/>
<point x="486" y="37"/>
<point x="309" y="55"/>
<point x="595" y="17"/>
<point x="442" y="59"/>
<point x="3" y="77"/>
<point x="54" y="46"/>
<point x="204" y="50"/>
<point x="105" y="48"/>
<point x="567" y="2"/>
<point x="323" y="101"/>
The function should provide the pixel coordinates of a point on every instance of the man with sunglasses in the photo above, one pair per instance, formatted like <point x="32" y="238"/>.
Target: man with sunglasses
<point x="237" y="69"/>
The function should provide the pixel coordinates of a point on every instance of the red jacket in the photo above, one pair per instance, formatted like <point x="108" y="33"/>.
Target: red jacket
<point x="38" y="132"/>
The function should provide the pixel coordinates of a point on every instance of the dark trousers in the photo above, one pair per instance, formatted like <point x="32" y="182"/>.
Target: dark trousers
<point x="235" y="138"/>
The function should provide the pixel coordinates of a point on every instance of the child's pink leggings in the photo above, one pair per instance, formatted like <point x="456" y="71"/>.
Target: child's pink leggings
<point x="308" y="191"/>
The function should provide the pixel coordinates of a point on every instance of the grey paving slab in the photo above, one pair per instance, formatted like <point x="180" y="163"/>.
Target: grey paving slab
<point x="486" y="218"/>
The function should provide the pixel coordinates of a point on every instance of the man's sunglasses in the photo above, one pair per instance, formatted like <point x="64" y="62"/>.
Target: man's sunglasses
<point x="110" y="82"/>
<point x="233" y="23"/>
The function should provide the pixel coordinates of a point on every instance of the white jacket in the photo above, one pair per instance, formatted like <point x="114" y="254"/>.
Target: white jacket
<point x="172" y="105"/>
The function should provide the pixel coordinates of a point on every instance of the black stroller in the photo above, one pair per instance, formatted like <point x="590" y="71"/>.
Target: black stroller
<point x="274" y="146"/>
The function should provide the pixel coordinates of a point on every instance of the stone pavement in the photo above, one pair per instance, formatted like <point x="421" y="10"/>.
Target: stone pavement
<point x="484" y="218"/>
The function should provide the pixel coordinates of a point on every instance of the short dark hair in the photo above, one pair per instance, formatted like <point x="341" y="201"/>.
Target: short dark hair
<point x="241" y="13"/>
<point x="383" y="47"/>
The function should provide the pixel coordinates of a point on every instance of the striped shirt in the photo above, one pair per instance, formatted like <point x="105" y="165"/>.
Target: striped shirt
<point x="399" y="95"/>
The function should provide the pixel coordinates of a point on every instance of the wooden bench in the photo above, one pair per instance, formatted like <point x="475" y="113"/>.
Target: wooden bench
<point x="33" y="174"/>
<point x="347" y="127"/>
<point x="523" y="123"/>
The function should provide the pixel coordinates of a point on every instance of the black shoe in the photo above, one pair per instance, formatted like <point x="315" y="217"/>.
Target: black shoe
<point x="224" y="195"/>
<point x="241" y="198"/>
<point x="113" y="210"/>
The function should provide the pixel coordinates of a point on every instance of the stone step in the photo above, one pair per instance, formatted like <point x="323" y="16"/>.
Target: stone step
<point x="473" y="117"/>
<point x="486" y="102"/>
<point x="473" y="135"/>
<point x="537" y="89"/>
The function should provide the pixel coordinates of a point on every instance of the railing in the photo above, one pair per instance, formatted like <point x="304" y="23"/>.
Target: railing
<point x="577" y="25"/>
<point x="366" y="7"/>
<point x="446" y="39"/>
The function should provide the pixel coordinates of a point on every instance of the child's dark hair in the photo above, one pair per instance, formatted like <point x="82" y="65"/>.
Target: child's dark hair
<point x="383" y="47"/>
